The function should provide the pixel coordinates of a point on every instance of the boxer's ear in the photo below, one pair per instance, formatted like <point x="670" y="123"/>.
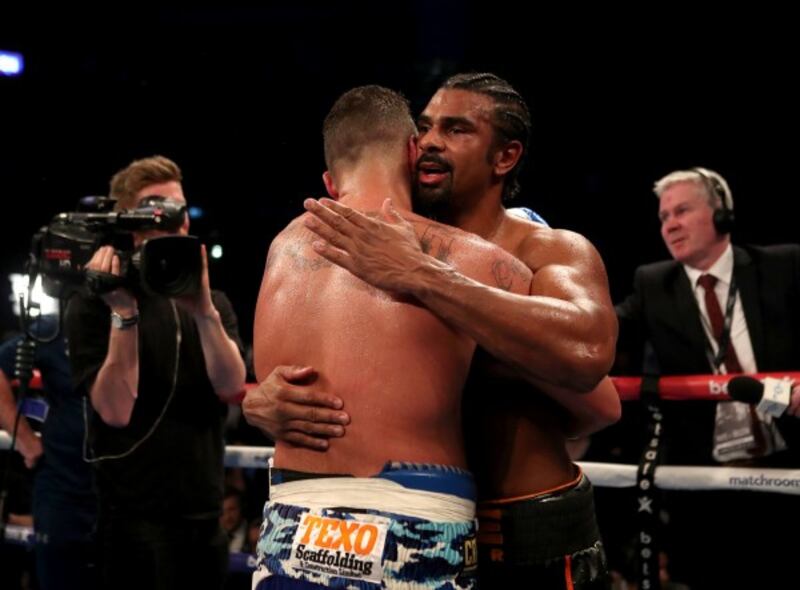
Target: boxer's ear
<point x="330" y="186"/>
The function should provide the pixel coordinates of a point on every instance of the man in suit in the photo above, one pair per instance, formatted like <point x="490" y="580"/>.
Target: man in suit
<point x="716" y="308"/>
<point x="668" y="308"/>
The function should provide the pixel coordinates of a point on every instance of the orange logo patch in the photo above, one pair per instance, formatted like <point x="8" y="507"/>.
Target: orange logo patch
<point x="334" y="533"/>
<point x="348" y="548"/>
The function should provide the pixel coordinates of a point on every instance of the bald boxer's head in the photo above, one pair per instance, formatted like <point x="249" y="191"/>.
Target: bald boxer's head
<point x="366" y="121"/>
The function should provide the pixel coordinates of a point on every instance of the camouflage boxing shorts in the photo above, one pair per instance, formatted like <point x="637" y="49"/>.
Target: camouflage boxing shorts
<point x="360" y="545"/>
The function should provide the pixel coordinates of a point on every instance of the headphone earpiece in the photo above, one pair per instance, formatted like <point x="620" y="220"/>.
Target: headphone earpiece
<point x="724" y="219"/>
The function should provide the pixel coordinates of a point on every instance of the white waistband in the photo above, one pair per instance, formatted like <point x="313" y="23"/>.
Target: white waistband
<point x="373" y="494"/>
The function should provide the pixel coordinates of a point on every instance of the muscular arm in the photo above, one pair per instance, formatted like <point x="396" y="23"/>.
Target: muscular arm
<point x="562" y="334"/>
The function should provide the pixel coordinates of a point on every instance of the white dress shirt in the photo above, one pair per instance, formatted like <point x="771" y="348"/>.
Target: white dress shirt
<point x="722" y="269"/>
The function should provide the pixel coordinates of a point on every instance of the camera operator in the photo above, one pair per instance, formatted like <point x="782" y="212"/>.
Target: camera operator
<point x="157" y="371"/>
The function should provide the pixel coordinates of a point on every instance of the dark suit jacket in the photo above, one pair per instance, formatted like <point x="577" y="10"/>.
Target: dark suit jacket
<point x="663" y="312"/>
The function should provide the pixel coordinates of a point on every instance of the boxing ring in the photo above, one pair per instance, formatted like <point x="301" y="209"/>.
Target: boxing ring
<point x="648" y="475"/>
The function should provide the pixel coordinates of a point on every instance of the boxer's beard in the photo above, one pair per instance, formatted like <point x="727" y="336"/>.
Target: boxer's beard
<point x="432" y="202"/>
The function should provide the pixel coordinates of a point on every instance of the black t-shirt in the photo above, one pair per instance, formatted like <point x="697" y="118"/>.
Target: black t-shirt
<point x="173" y="447"/>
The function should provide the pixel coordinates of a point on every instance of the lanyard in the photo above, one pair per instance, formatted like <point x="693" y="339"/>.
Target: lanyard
<point x="725" y="337"/>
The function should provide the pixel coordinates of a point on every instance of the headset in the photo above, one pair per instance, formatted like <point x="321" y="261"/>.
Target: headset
<point x="723" y="215"/>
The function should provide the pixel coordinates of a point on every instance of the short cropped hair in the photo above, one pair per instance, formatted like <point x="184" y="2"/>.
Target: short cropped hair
<point x="365" y="118"/>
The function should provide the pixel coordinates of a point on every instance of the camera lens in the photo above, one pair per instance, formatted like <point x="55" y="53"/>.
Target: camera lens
<point x="171" y="265"/>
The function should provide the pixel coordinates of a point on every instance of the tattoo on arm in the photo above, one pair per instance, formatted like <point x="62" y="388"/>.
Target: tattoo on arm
<point x="440" y="241"/>
<point x="436" y="242"/>
<point x="502" y="274"/>
<point x="505" y="271"/>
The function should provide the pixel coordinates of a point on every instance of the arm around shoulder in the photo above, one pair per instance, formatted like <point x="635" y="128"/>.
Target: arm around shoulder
<point x="562" y="333"/>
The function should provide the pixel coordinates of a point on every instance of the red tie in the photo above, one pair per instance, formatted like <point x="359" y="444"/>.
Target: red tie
<point x="715" y="316"/>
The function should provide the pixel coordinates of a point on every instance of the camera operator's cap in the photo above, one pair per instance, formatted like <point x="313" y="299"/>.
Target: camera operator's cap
<point x="121" y="323"/>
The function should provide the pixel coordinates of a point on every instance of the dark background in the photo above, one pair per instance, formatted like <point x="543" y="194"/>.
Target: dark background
<point x="236" y="96"/>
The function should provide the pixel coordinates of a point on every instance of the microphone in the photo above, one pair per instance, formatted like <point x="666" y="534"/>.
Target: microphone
<point x="772" y="396"/>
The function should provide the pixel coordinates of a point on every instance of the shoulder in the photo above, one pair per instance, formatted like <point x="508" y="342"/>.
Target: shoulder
<point x="471" y="255"/>
<point x="657" y="278"/>
<point x="289" y="239"/>
<point x="434" y="235"/>
<point x="438" y="239"/>
<point x="789" y="252"/>
<point x="540" y="246"/>
<point x="661" y="268"/>
<point x="776" y="264"/>
<point x="292" y="230"/>
<point x="526" y="213"/>
<point x="423" y="225"/>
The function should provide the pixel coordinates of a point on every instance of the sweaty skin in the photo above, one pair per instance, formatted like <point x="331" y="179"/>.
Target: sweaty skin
<point x="503" y="410"/>
<point x="398" y="368"/>
<point x="557" y="341"/>
<point x="531" y="428"/>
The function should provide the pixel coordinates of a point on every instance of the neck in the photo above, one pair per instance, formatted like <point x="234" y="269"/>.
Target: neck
<point x="710" y="258"/>
<point x="367" y="184"/>
<point x="479" y="214"/>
